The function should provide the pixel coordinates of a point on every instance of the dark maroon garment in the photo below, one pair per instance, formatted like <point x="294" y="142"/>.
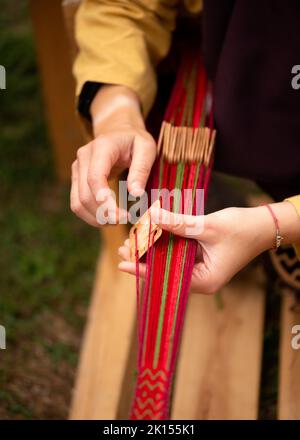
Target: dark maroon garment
<point x="249" y="50"/>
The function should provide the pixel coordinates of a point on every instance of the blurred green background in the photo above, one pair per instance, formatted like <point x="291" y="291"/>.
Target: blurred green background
<point x="47" y="256"/>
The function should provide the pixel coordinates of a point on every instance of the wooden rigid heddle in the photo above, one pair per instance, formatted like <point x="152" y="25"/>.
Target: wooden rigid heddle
<point x="184" y="162"/>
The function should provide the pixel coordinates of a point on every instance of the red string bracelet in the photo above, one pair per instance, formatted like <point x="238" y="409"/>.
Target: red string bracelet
<point x="278" y="236"/>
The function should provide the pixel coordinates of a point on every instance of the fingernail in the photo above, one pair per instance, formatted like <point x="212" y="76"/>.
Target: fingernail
<point x="121" y="265"/>
<point x="136" y="189"/>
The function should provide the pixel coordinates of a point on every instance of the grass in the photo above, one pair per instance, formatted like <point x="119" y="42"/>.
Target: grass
<point x="47" y="256"/>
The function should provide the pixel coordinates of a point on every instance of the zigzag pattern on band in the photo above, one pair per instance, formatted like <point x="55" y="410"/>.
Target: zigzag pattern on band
<point x="150" y="388"/>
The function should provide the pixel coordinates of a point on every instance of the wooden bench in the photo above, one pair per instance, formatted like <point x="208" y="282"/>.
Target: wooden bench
<point x="219" y="369"/>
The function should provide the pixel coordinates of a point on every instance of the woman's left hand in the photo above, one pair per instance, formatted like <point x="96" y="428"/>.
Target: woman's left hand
<point x="228" y="240"/>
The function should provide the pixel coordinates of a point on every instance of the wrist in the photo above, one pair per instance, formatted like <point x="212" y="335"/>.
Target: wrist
<point x="115" y="107"/>
<point x="264" y="225"/>
<point x="263" y="228"/>
<point x="289" y="222"/>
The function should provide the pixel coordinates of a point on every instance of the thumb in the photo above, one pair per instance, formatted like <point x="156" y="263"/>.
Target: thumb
<point x="189" y="226"/>
<point x="143" y="156"/>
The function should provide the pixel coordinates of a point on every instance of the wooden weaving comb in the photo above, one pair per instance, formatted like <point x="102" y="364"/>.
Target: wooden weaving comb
<point x="142" y="229"/>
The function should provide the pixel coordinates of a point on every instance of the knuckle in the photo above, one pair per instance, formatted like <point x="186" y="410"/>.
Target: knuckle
<point x="209" y="285"/>
<point x="84" y="198"/>
<point x="99" y="142"/>
<point x="207" y="289"/>
<point x="75" y="207"/>
<point x="149" y="144"/>
<point x="92" y="178"/>
<point x="213" y="286"/>
<point x="94" y="144"/>
<point x="81" y="152"/>
<point x="211" y="290"/>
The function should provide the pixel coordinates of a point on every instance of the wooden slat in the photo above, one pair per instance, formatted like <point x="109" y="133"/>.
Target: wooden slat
<point x="219" y="367"/>
<point x="289" y="373"/>
<point x="54" y="59"/>
<point x="105" y="375"/>
<point x="107" y="342"/>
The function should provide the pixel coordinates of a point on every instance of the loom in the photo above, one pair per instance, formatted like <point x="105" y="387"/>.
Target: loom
<point x="184" y="161"/>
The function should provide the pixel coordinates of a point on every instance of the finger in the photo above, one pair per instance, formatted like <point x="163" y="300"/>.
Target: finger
<point x="126" y="266"/>
<point x="196" y="286"/>
<point x="143" y="156"/>
<point x="124" y="252"/>
<point x="86" y="196"/>
<point x="76" y="205"/>
<point x="103" y="157"/>
<point x="190" y="226"/>
<point x="202" y="280"/>
<point x="109" y="213"/>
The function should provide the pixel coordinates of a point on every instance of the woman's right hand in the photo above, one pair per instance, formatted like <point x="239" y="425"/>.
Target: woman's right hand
<point x="121" y="141"/>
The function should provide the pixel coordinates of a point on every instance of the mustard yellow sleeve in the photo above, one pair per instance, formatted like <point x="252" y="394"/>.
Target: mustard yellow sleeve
<point x="295" y="200"/>
<point x="121" y="42"/>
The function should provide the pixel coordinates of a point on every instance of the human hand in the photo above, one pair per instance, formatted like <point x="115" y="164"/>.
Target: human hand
<point x="228" y="240"/>
<point x="121" y="141"/>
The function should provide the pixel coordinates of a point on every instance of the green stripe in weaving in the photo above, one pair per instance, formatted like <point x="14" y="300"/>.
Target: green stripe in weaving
<point x="182" y="272"/>
<point x="161" y="167"/>
<point x="178" y="185"/>
<point x="177" y="304"/>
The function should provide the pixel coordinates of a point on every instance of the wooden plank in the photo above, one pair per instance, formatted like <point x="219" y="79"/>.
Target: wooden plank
<point x="69" y="8"/>
<point x="129" y="380"/>
<point x="108" y="338"/>
<point x="289" y="371"/>
<point x="218" y="373"/>
<point x="55" y="66"/>
<point x="105" y="377"/>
